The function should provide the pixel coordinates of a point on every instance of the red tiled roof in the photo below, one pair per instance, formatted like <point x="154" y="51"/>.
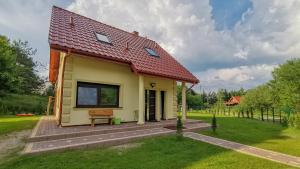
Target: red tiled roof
<point x="80" y="38"/>
<point x="234" y="100"/>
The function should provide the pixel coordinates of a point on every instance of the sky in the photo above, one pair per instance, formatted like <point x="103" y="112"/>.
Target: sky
<point x="226" y="44"/>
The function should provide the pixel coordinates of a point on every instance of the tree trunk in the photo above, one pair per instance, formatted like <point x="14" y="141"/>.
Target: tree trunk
<point x="267" y="114"/>
<point x="262" y="114"/>
<point x="248" y="114"/>
<point x="273" y="112"/>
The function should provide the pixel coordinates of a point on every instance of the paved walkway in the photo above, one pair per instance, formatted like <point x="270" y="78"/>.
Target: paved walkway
<point x="47" y="126"/>
<point x="48" y="137"/>
<point x="258" y="152"/>
<point x="93" y="140"/>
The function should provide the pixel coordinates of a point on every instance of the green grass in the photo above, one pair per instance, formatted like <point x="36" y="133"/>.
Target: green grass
<point x="154" y="153"/>
<point x="254" y="132"/>
<point x="10" y="124"/>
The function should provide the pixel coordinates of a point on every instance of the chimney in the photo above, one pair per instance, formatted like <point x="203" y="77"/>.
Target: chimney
<point x="71" y="21"/>
<point x="136" y="33"/>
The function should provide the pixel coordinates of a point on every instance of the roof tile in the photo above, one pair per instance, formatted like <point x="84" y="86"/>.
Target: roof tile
<point x="81" y="38"/>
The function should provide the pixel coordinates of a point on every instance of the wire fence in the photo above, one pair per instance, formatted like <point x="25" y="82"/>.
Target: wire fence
<point x="262" y="114"/>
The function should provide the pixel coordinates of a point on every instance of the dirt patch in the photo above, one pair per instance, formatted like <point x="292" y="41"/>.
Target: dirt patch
<point x="126" y="146"/>
<point x="10" y="142"/>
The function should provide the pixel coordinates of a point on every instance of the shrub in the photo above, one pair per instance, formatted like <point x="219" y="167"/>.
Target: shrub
<point x="11" y="104"/>
<point x="214" y="123"/>
<point x="179" y="126"/>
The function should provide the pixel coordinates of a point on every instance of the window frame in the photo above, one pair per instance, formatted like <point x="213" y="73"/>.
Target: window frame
<point x="98" y="86"/>
<point x="154" y="55"/>
<point x="109" y="40"/>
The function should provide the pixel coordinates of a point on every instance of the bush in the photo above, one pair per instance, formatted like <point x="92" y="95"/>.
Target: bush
<point x="297" y="120"/>
<point x="214" y="123"/>
<point x="179" y="126"/>
<point x="12" y="104"/>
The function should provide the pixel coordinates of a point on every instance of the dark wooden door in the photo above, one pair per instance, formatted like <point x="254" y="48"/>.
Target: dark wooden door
<point x="146" y="105"/>
<point x="152" y="108"/>
<point x="162" y="104"/>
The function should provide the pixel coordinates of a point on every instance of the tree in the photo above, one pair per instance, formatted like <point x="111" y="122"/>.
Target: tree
<point x="259" y="97"/>
<point x="28" y="79"/>
<point x="286" y="82"/>
<point x="7" y="65"/>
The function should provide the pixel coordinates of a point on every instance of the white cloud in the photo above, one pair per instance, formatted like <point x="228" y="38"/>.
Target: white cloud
<point x="234" y="78"/>
<point x="266" y="35"/>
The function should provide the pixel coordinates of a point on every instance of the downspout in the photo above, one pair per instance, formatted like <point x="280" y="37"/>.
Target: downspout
<point x="191" y="87"/>
<point x="62" y="86"/>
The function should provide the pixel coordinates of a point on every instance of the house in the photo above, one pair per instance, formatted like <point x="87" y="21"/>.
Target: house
<point x="97" y="66"/>
<point x="234" y="100"/>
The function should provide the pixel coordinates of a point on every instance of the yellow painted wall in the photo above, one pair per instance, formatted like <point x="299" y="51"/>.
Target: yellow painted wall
<point x="86" y="69"/>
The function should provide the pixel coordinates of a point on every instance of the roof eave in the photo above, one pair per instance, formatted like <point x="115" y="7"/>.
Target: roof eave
<point x="133" y="68"/>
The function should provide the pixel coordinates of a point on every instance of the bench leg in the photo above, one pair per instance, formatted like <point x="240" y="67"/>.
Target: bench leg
<point x="110" y="121"/>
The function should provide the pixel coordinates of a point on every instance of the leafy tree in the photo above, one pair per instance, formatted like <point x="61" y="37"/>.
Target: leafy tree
<point x="29" y="81"/>
<point x="286" y="82"/>
<point x="17" y="69"/>
<point x="7" y="65"/>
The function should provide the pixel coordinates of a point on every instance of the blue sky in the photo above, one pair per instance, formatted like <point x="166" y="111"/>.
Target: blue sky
<point x="227" y="13"/>
<point x="226" y="44"/>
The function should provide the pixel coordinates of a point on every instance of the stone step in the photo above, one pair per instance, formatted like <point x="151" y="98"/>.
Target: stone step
<point x="105" y="130"/>
<point x="94" y="140"/>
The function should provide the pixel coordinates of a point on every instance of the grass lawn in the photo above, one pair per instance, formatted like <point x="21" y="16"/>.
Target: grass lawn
<point x="10" y="124"/>
<point x="254" y="132"/>
<point x="156" y="153"/>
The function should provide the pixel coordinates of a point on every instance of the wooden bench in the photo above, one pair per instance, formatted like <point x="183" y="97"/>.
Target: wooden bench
<point x="101" y="114"/>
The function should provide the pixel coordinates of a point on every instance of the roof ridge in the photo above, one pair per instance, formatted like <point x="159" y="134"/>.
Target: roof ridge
<point x="94" y="20"/>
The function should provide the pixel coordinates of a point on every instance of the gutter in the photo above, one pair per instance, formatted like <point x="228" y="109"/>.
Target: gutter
<point x="191" y="87"/>
<point x="62" y="86"/>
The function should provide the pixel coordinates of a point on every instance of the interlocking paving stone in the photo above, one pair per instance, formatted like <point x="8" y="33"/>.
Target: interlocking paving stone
<point x="114" y="134"/>
<point x="48" y="130"/>
<point x="254" y="151"/>
<point x="94" y="139"/>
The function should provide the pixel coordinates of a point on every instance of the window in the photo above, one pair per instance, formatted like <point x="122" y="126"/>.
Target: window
<point x="102" y="38"/>
<point x="151" y="52"/>
<point x="97" y="95"/>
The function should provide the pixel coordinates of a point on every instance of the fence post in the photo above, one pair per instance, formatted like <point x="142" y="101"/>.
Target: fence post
<point x="239" y="113"/>
<point x="229" y="110"/>
<point x="273" y="112"/>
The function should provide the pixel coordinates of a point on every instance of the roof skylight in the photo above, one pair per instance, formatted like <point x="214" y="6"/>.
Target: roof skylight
<point x="102" y="37"/>
<point x="151" y="52"/>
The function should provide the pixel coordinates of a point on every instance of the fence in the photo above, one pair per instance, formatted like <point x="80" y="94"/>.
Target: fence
<point x="264" y="114"/>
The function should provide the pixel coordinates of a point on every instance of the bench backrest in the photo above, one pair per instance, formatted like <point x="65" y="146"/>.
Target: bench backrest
<point x="104" y="112"/>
